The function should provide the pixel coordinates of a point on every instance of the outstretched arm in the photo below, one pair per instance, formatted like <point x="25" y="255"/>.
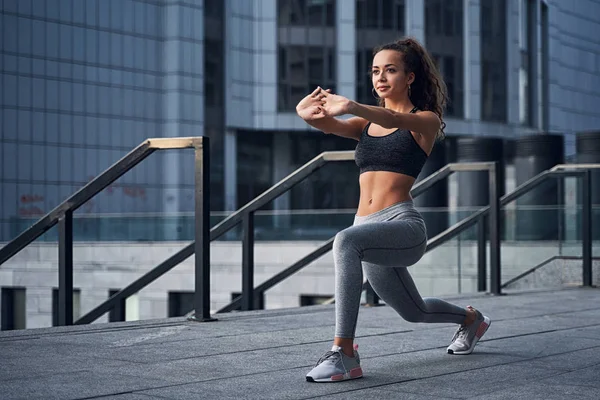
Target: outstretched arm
<point x="426" y="122"/>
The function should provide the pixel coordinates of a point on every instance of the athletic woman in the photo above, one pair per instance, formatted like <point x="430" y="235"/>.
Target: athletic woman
<point x="388" y="234"/>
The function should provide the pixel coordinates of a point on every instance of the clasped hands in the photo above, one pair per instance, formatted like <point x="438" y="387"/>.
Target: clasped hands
<point x="322" y="104"/>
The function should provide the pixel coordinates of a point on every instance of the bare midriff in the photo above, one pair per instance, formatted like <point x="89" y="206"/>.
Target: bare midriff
<point x="381" y="189"/>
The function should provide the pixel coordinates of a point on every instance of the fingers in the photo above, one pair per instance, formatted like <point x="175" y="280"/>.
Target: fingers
<point x="316" y="91"/>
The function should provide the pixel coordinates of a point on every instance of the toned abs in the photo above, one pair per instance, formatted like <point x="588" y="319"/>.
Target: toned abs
<point x="381" y="189"/>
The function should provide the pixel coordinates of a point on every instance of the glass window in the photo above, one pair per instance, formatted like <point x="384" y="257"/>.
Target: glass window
<point x="9" y="162"/>
<point x="527" y="36"/>
<point x="52" y="9"/>
<point x="52" y="39"/>
<point x="24" y="94"/>
<point x="66" y="41"/>
<point x="116" y="14"/>
<point x="52" y="127"/>
<point x="377" y="22"/>
<point x="66" y="10"/>
<point x="116" y="49"/>
<point x="10" y="27"/>
<point x="52" y="94"/>
<point x="24" y="125"/>
<point x="65" y="128"/>
<point x="152" y="19"/>
<point x="128" y="8"/>
<point x="128" y="50"/>
<point x="65" y="70"/>
<point x="11" y="64"/>
<point x="104" y="47"/>
<point x="90" y="135"/>
<point x="39" y="93"/>
<point x="85" y="51"/>
<point x="10" y="90"/>
<point x="446" y="47"/>
<point x="139" y="54"/>
<point x="78" y="97"/>
<point x="151" y="58"/>
<point x="91" y="11"/>
<point x="78" y="10"/>
<point x="254" y="167"/>
<point x="79" y="129"/>
<point x="11" y="6"/>
<point x="493" y="61"/>
<point x="306" y="12"/>
<point x="24" y="35"/>
<point x="305" y="67"/>
<point x="104" y="14"/>
<point x="38" y="122"/>
<point x="9" y="128"/>
<point x="91" y="99"/>
<point x="65" y="97"/>
<point x="139" y="23"/>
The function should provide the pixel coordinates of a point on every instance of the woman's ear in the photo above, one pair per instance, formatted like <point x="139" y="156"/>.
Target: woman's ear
<point x="411" y="78"/>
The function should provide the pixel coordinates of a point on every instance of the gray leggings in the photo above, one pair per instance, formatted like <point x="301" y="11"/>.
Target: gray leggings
<point x="385" y="243"/>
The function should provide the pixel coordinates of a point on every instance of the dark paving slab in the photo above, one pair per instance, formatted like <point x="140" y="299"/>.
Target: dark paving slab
<point x="542" y="344"/>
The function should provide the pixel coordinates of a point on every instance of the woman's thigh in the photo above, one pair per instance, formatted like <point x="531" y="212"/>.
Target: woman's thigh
<point x="396" y="243"/>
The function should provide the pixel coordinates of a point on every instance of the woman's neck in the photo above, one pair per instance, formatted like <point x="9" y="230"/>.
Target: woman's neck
<point x="401" y="106"/>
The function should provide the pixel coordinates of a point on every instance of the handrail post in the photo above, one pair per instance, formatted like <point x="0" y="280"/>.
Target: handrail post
<point x="248" y="262"/>
<point x="202" y="232"/>
<point x="65" y="269"/>
<point x="586" y="226"/>
<point x="494" y="228"/>
<point x="481" y="255"/>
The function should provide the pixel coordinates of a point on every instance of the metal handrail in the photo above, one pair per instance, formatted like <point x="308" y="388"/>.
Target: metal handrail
<point x="214" y="233"/>
<point x="63" y="216"/>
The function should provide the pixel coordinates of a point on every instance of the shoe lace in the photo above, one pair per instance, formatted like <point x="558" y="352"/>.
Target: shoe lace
<point x="331" y="356"/>
<point x="461" y="333"/>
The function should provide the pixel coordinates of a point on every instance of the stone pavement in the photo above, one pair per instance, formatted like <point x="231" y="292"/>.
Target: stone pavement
<point x="541" y="345"/>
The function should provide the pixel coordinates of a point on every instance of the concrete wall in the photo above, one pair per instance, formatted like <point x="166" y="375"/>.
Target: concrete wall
<point x="101" y="266"/>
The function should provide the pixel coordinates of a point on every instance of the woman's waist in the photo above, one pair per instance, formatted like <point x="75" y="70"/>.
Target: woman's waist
<point x="403" y="209"/>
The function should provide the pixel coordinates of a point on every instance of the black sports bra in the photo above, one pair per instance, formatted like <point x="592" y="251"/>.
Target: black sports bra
<point x="395" y="152"/>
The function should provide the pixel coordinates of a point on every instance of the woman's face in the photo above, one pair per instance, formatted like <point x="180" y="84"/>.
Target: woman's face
<point x="387" y="73"/>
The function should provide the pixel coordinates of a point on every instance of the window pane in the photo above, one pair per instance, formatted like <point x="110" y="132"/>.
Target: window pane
<point x="447" y="44"/>
<point x="493" y="61"/>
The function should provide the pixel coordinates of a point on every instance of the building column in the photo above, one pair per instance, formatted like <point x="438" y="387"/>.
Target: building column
<point x="415" y="19"/>
<point x="472" y="58"/>
<point x="346" y="48"/>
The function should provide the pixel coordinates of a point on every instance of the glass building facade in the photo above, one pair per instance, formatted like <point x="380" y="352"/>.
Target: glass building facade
<point x="85" y="81"/>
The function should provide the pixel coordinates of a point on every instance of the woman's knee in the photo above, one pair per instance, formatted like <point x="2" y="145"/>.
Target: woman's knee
<point x="344" y="240"/>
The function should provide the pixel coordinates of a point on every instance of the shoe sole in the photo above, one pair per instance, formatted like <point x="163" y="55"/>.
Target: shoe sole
<point x="353" y="374"/>
<point x="483" y="327"/>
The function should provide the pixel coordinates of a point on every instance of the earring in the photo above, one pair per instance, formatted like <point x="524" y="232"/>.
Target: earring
<point x="409" y="90"/>
<point x="375" y="94"/>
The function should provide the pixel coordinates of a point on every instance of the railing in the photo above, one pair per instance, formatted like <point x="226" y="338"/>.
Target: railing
<point x="488" y="215"/>
<point x="63" y="216"/>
